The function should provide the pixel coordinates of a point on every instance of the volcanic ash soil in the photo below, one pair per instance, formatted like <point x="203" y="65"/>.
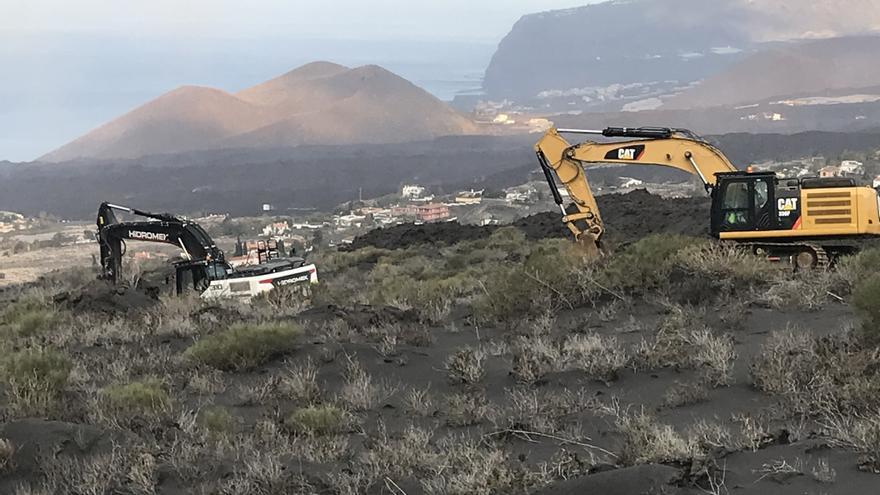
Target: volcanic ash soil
<point x="628" y="217"/>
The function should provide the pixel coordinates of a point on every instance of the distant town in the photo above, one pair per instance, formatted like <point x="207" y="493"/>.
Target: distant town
<point x="23" y="238"/>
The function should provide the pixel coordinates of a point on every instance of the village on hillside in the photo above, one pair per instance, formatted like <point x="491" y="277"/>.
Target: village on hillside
<point x="23" y="239"/>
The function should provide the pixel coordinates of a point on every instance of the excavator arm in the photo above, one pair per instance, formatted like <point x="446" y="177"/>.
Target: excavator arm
<point x="162" y="228"/>
<point x="675" y="148"/>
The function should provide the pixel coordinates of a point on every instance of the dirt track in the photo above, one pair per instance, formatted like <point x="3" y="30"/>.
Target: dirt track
<point x="627" y="217"/>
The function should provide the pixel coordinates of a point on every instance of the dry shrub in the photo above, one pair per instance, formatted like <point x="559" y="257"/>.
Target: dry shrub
<point x="706" y="438"/>
<point x="474" y="469"/>
<point x="815" y="376"/>
<point x="859" y="432"/>
<point x="419" y="402"/>
<point x="207" y="381"/>
<point x="284" y="301"/>
<point x="264" y="390"/>
<point x="466" y="408"/>
<point x="132" y="470"/>
<point x="807" y="291"/>
<point x="244" y="346"/>
<point x="823" y="472"/>
<point x="450" y="466"/>
<point x="539" y="411"/>
<point x="261" y="472"/>
<point x="686" y="393"/>
<point x="733" y="267"/>
<point x="360" y="392"/>
<point x="646" y="440"/>
<point x="466" y="366"/>
<point x="402" y="455"/>
<point x="300" y="382"/>
<point x="601" y="358"/>
<point x="7" y="453"/>
<point x="534" y="358"/>
<point x="174" y="315"/>
<point x="682" y="343"/>
<point x="36" y="378"/>
<point x="785" y="364"/>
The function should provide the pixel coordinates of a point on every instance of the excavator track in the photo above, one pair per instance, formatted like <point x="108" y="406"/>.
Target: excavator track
<point x="802" y="256"/>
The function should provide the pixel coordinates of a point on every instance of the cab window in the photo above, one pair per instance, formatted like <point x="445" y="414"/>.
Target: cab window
<point x="761" y="194"/>
<point x="735" y="206"/>
<point x="736" y="196"/>
<point x="216" y="271"/>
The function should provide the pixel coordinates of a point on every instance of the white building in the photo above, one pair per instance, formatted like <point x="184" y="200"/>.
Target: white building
<point x="276" y="229"/>
<point x="852" y="167"/>
<point x="471" y="197"/>
<point x="412" y="191"/>
<point x="350" y="220"/>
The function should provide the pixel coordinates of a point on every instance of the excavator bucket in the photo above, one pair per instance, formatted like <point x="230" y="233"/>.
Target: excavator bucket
<point x="589" y="247"/>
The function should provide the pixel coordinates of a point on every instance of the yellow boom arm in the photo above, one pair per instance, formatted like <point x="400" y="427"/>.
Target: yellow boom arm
<point x="679" y="149"/>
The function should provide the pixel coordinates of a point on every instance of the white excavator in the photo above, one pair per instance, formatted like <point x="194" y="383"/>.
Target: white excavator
<point x="203" y="267"/>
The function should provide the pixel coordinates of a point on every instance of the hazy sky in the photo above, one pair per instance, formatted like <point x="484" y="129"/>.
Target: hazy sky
<point x="434" y="19"/>
<point x="70" y="65"/>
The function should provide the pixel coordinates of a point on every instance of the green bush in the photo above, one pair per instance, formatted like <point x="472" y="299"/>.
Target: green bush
<point x="244" y="346"/>
<point x="860" y="266"/>
<point x="866" y="299"/>
<point x="318" y="420"/>
<point x="727" y="264"/>
<point x="550" y="276"/>
<point x="142" y="398"/>
<point x="645" y="264"/>
<point x="506" y="293"/>
<point x="27" y="318"/>
<point x="47" y="367"/>
<point x="36" y="377"/>
<point x="217" y="420"/>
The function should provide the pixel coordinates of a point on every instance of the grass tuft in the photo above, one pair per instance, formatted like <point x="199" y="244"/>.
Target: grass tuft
<point x="36" y="378"/>
<point x="319" y="420"/>
<point x="146" y="398"/>
<point x="244" y="346"/>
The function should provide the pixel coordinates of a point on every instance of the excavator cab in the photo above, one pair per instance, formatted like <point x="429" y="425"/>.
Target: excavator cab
<point x="742" y="202"/>
<point x="198" y="275"/>
<point x="745" y="202"/>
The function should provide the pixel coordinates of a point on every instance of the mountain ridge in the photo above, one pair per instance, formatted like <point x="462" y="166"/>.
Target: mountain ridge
<point x="811" y="68"/>
<point x="318" y="103"/>
<point x="648" y="41"/>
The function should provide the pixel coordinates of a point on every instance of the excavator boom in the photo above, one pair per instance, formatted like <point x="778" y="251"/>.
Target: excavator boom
<point x="675" y="148"/>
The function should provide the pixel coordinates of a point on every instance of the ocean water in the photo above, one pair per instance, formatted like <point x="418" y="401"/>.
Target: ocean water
<point x="67" y="85"/>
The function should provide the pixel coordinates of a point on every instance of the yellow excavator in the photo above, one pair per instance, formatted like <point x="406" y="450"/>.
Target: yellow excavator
<point x="808" y="221"/>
